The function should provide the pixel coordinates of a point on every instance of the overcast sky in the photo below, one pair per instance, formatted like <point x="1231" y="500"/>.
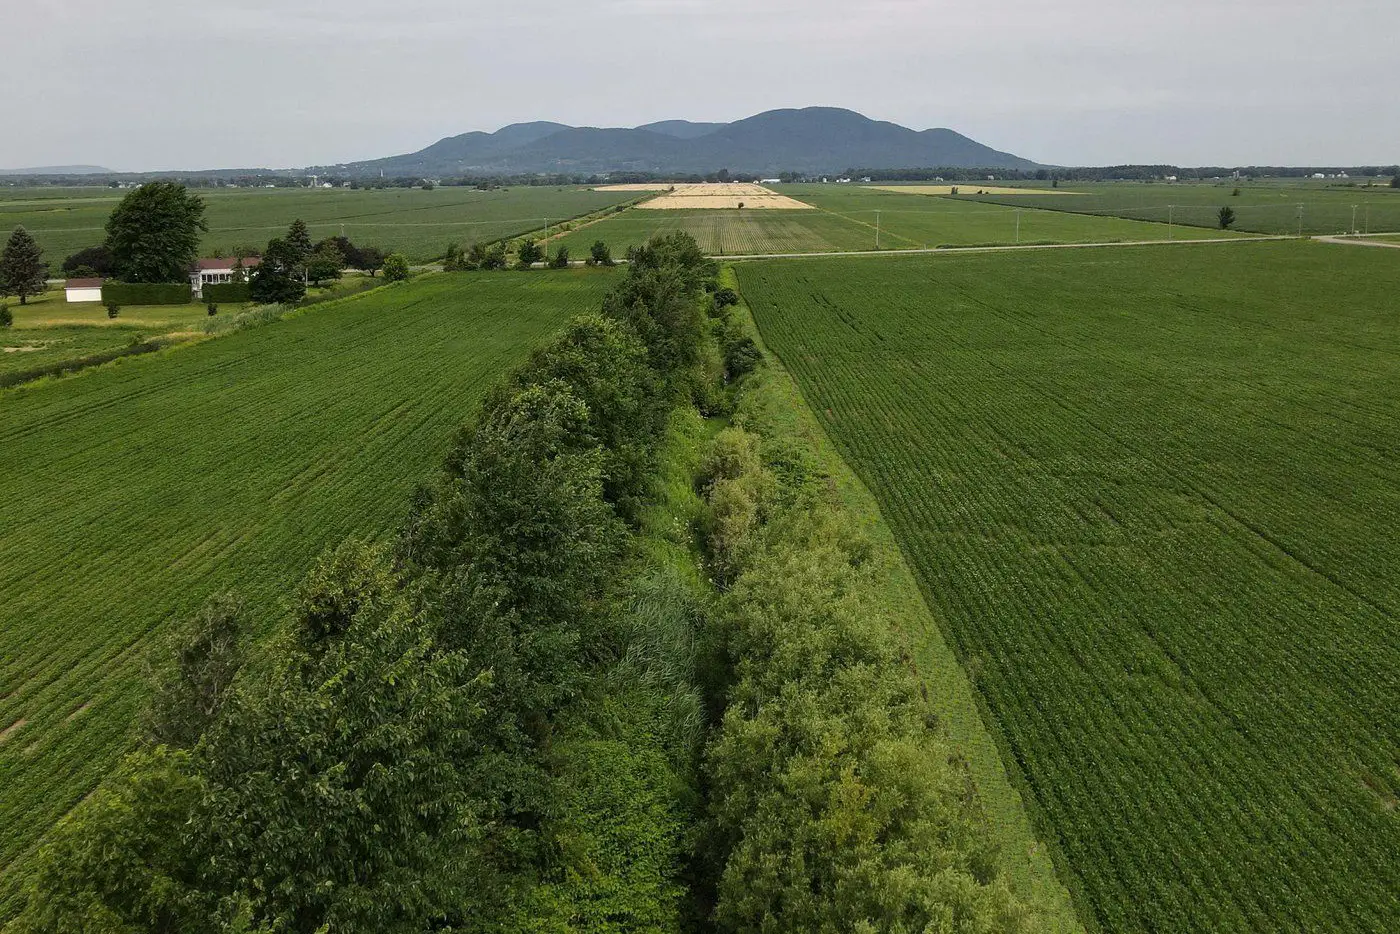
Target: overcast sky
<point x="185" y="84"/>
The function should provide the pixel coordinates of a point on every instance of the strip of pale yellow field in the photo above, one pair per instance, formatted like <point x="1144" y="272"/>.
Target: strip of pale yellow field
<point x="716" y="196"/>
<point x="967" y="189"/>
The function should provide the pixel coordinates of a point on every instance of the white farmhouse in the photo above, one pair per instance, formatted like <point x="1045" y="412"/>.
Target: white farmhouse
<point x="218" y="271"/>
<point x="83" y="290"/>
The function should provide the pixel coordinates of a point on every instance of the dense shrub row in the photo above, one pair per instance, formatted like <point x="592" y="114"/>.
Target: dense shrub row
<point x="835" y="802"/>
<point x="469" y="730"/>
<point x="146" y="293"/>
<point x="227" y="292"/>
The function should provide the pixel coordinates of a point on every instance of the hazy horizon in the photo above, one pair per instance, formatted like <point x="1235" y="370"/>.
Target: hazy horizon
<point x="263" y="84"/>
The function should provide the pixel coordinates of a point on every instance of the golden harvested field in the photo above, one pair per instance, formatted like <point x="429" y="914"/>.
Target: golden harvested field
<point x="967" y="188"/>
<point x="722" y="195"/>
<point x="644" y="186"/>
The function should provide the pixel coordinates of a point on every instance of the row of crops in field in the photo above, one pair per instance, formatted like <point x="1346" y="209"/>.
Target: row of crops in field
<point x="418" y="223"/>
<point x="134" y="491"/>
<point x="910" y="221"/>
<point x="1276" y="209"/>
<point x="852" y="218"/>
<point x="1151" y="495"/>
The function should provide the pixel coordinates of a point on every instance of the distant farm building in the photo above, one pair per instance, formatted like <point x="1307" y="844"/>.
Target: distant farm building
<point x="219" y="271"/>
<point x="83" y="290"/>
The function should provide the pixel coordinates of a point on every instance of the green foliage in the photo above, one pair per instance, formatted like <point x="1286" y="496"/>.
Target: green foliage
<point x="836" y="806"/>
<point x="395" y="267"/>
<point x="231" y="293"/>
<point x="298" y="241"/>
<point x="529" y="254"/>
<point x="277" y="279"/>
<point x="146" y="293"/>
<point x="368" y="259"/>
<point x="325" y="262"/>
<point x="113" y="309"/>
<point x="605" y="366"/>
<point x="454" y="260"/>
<point x="343" y="583"/>
<point x="659" y="300"/>
<point x="116" y="863"/>
<point x="154" y="233"/>
<point x="208" y="653"/>
<point x="600" y="254"/>
<point x="561" y="258"/>
<point x="97" y="259"/>
<point x="1395" y="181"/>
<point x="212" y="308"/>
<point x="23" y="271"/>
<point x="7" y="317"/>
<point x="1226" y="217"/>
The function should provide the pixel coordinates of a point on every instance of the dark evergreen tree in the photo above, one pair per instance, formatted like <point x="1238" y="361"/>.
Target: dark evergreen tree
<point x="23" y="271"/>
<point x="277" y="278"/>
<point x="299" y="239"/>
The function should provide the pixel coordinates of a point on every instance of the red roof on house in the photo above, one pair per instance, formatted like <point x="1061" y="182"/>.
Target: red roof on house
<point x="83" y="284"/>
<point x="205" y="265"/>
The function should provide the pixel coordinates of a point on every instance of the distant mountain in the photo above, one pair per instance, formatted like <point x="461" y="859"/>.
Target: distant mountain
<point x="810" y="140"/>
<point x="59" y="170"/>
<point x="682" y="129"/>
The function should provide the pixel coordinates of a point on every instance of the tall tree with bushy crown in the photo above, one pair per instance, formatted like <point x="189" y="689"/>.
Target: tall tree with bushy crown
<point x="154" y="234"/>
<point x="23" y="271"/>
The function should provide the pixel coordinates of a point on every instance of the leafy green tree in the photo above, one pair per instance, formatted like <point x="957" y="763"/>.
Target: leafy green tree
<point x="395" y="267"/>
<point x="154" y="233"/>
<point x="528" y="255"/>
<point x="299" y="239"/>
<point x="368" y="259"/>
<point x="113" y="309"/>
<point x="482" y="256"/>
<point x="1226" y="217"/>
<point x="23" y="271"/>
<point x="96" y="259"/>
<point x="1395" y="181"/>
<point x="600" y="254"/>
<point x="326" y="262"/>
<point x="454" y="259"/>
<point x="7" y="317"/>
<point x="561" y="258"/>
<point x="277" y="277"/>
<point x="209" y="653"/>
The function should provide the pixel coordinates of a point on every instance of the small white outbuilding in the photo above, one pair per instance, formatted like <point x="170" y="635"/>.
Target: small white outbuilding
<point x="83" y="290"/>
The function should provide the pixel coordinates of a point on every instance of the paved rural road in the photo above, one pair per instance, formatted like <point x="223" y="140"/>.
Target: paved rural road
<point x="1358" y="241"/>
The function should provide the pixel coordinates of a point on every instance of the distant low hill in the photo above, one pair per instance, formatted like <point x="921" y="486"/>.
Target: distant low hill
<point x="59" y="170"/>
<point x="809" y="140"/>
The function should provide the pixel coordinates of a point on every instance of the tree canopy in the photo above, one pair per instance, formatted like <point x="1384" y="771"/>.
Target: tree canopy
<point x="154" y="233"/>
<point x="23" y="271"/>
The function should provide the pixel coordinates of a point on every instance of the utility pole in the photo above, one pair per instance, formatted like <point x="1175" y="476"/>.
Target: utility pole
<point x="546" y="241"/>
<point x="1353" y="219"/>
<point x="1171" y="217"/>
<point x="1300" y="220"/>
<point x="877" y="230"/>
<point x="1018" y="226"/>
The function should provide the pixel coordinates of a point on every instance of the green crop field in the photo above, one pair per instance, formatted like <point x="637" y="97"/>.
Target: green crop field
<point x="419" y="223"/>
<point x="1267" y="206"/>
<point x="1151" y="493"/>
<point x="134" y="491"/>
<point x="917" y="220"/>
<point x="846" y="219"/>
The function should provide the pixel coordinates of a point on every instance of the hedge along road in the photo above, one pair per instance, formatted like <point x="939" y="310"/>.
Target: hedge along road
<point x="133" y="491"/>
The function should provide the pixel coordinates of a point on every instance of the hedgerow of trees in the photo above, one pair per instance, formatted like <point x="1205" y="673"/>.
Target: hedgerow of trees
<point x="488" y="725"/>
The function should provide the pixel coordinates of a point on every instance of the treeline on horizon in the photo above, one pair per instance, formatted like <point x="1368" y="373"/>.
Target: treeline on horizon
<point x="538" y="709"/>
<point x="923" y="174"/>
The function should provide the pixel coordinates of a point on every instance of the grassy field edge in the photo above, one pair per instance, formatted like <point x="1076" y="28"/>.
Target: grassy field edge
<point x="1028" y="863"/>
